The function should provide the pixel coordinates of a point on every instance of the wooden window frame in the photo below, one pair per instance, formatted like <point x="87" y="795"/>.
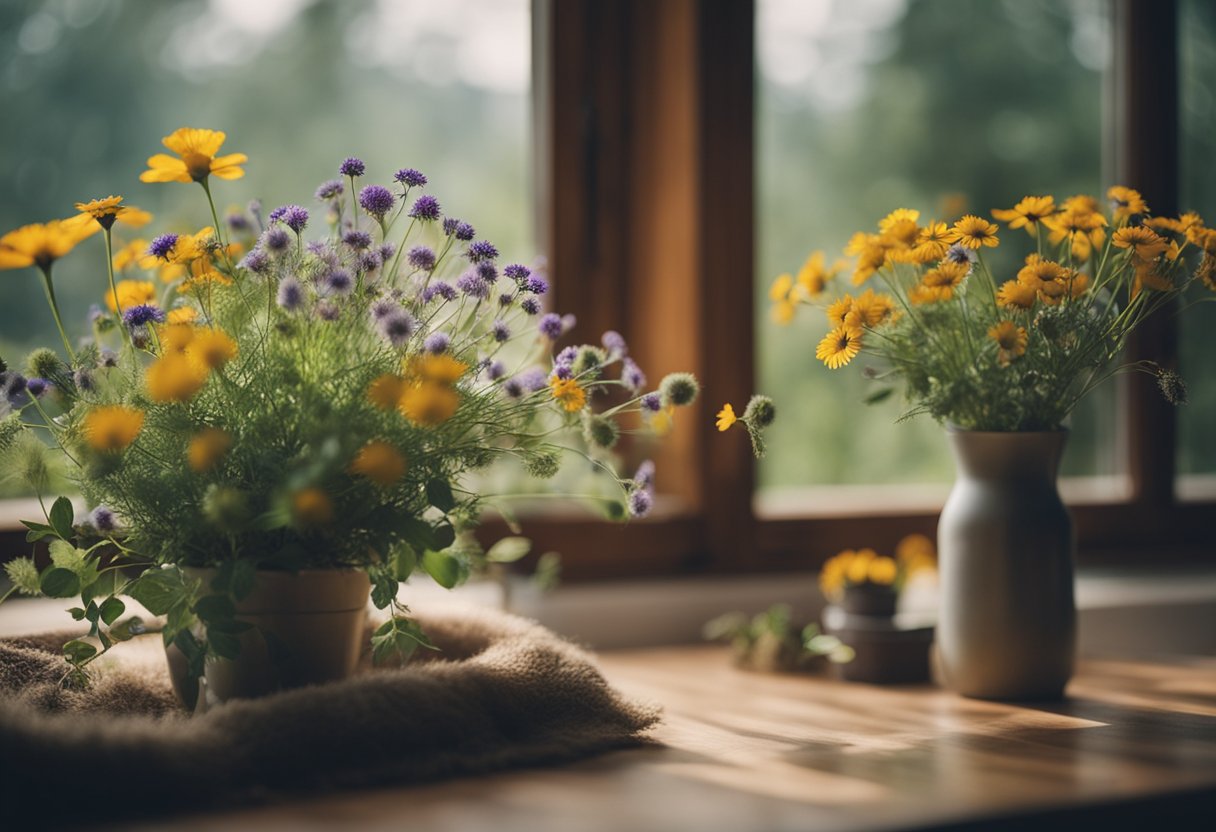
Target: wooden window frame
<point x="644" y="126"/>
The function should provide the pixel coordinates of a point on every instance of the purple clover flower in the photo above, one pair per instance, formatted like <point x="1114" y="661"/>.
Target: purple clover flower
<point x="426" y="208"/>
<point x="327" y="311"/>
<point x="277" y="213"/>
<point x="533" y="380"/>
<point x="107" y="358"/>
<point x="162" y="246"/>
<point x="640" y="503"/>
<point x="352" y="167"/>
<point x="513" y="388"/>
<point x="421" y="257"/>
<point x="530" y="305"/>
<point x="368" y="261"/>
<point x="506" y="299"/>
<point x="238" y="221"/>
<point x="142" y="315"/>
<point x="439" y="288"/>
<point x="501" y="331"/>
<point x="103" y="519"/>
<point x="567" y="356"/>
<point x="453" y="227"/>
<point x="386" y="250"/>
<point x="569" y="321"/>
<point x="652" y="402"/>
<point x="437" y="342"/>
<point x="83" y="379"/>
<point x="95" y="313"/>
<point x="37" y="387"/>
<point x="377" y="200"/>
<point x="330" y="189"/>
<point x="632" y="375"/>
<point x="644" y="477"/>
<point x="295" y="217"/>
<point x="614" y="342"/>
<point x="517" y="272"/>
<point x="13" y="388"/>
<point x="410" y="178"/>
<point x="383" y="307"/>
<point x="550" y="326"/>
<point x="256" y="261"/>
<point x="276" y="239"/>
<point x="481" y="250"/>
<point x="487" y="271"/>
<point x="496" y="370"/>
<point x="536" y="284"/>
<point x="563" y="371"/>
<point x="396" y="327"/>
<point x="473" y="286"/>
<point x="291" y="294"/>
<point x="356" y="239"/>
<point x="337" y="282"/>
<point x="960" y="254"/>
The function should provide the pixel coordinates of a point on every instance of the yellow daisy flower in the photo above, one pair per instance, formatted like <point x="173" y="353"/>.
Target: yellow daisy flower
<point x="429" y="403"/>
<point x="385" y="391"/>
<point x="112" y="428"/>
<point x="841" y="313"/>
<point x="857" y="569"/>
<point x="440" y="369"/>
<point x="196" y="158"/>
<point x="380" y="462"/>
<point x="175" y="337"/>
<point x="883" y="571"/>
<point x="311" y="507"/>
<point x="207" y="448"/>
<point x="1084" y="229"/>
<point x="569" y="393"/>
<point x="182" y="315"/>
<point x="41" y="244"/>
<point x="931" y="243"/>
<point x="974" y="232"/>
<point x="1027" y="213"/>
<point x="726" y="418"/>
<point x="1145" y="242"/>
<point x="1016" y="295"/>
<point x="174" y="378"/>
<point x="1010" y="340"/>
<point x="898" y="217"/>
<point x="131" y="293"/>
<point x="839" y="347"/>
<point x="211" y="348"/>
<point x="813" y="277"/>
<point x="1126" y="203"/>
<point x="110" y="210"/>
<point x="130" y="254"/>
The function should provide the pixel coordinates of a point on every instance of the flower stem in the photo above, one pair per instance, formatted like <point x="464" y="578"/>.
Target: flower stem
<point x="114" y="288"/>
<point x="47" y="285"/>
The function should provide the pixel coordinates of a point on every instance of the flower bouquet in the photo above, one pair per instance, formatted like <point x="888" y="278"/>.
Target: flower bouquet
<point x="1003" y="357"/>
<point x="253" y="403"/>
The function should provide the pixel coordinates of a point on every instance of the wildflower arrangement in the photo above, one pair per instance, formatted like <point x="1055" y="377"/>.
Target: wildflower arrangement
<point x="1004" y="352"/>
<point x="771" y="641"/>
<point x="253" y="398"/>
<point x="866" y="568"/>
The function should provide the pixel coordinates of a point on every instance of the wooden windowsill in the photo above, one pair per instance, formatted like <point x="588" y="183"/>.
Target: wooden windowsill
<point x="743" y="751"/>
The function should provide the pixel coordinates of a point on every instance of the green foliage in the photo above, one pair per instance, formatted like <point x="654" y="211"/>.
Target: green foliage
<point x="398" y="638"/>
<point x="24" y="575"/>
<point x="509" y="550"/>
<point x="770" y="641"/>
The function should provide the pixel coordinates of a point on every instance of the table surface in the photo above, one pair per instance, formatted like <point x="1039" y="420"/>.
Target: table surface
<point x="746" y="751"/>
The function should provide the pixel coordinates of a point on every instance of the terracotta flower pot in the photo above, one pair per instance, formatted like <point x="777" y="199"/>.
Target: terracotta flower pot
<point x="308" y="627"/>
<point x="1007" y="623"/>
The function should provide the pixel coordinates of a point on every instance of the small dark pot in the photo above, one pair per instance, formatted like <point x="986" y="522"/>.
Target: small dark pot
<point x="869" y="599"/>
<point x="884" y="653"/>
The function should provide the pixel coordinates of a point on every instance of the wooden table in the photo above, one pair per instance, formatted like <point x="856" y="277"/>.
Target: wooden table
<point x="1134" y="744"/>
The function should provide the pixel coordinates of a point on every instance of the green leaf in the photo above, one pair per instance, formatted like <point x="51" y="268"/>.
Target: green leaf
<point x="509" y="550"/>
<point x="418" y="533"/>
<point x="225" y="645"/>
<point x="76" y="651"/>
<point x="111" y="608"/>
<point x="193" y="650"/>
<point x="879" y="395"/>
<point x="92" y="612"/>
<point x="445" y="569"/>
<point x="235" y="577"/>
<point x="384" y="586"/>
<point x="275" y="518"/>
<point x="77" y="613"/>
<point x="37" y="531"/>
<point x="128" y="629"/>
<point x="439" y="494"/>
<point x="405" y="561"/>
<point x="61" y="517"/>
<point x="445" y="536"/>
<point x="58" y="582"/>
<point x="398" y="637"/>
<point x="158" y="590"/>
<point x="214" y="608"/>
<point x="105" y="585"/>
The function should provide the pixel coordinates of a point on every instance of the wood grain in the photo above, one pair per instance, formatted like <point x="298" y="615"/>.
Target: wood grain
<point x="741" y="751"/>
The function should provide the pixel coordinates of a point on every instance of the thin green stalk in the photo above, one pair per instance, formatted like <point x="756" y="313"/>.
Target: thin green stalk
<point x="113" y="286"/>
<point x="49" y="287"/>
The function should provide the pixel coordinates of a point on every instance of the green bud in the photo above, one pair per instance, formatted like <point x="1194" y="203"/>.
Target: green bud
<point x="44" y="363"/>
<point x="760" y="411"/>
<point x="602" y="432"/>
<point x="679" y="389"/>
<point x="542" y="465"/>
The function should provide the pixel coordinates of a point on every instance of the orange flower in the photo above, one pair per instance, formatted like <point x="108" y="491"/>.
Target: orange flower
<point x="196" y="159"/>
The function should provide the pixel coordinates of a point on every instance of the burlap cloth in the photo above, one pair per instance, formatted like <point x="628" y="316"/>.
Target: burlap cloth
<point x="503" y="692"/>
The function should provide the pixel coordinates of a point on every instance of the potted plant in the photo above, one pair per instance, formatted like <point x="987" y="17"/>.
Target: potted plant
<point x="1001" y="360"/>
<point x="270" y="425"/>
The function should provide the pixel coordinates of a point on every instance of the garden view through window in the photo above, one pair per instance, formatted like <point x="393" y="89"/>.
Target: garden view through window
<point x="444" y="88"/>
<point x="869" y="105"/>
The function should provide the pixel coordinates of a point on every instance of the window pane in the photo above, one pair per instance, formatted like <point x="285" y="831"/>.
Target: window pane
<point x="89" y="88"/>
<point x="869" y="105"/>
<point x="1197" y="33"/>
